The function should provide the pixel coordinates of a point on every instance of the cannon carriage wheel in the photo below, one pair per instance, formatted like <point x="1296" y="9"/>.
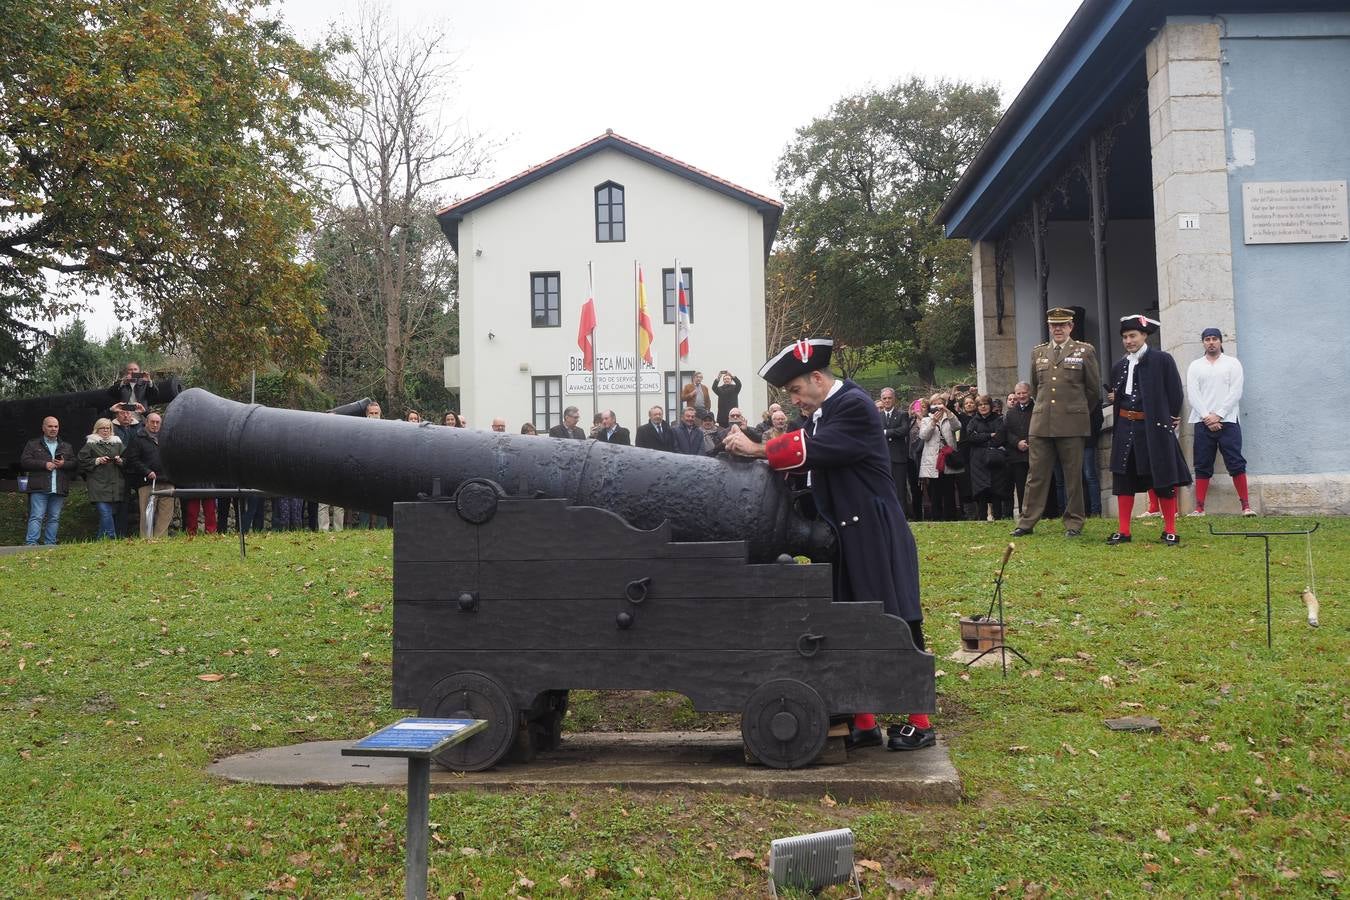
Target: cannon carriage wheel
<point x="474" y="695"/>
<point x="785" y="723"/>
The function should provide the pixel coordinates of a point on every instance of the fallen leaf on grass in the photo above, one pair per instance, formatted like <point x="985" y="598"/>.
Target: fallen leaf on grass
<point x="1331" y="874"/>
<point x="523" y="881"/>
<point x="923" y="887"/>
<point x="1107" y="681"/>
<point x="565" y="882"/>
<point x="1032" y="673"/>
<point x="284" y="883"/>
<point x="469" y="851"/>
<point x="1152" y="868"/>
<point x="742" y="855"/>
<point x="870" y="865"/>
<point x="1162" y="835"/>
<point x="1288" y="873"/>
<point x="1068" y="748"/>
<point x="591" y="872"/>
<point x="829" y="801"/>
<point x="211" y="676"/>
<point x="274" y="652"/>
<point x="298" y="859"/>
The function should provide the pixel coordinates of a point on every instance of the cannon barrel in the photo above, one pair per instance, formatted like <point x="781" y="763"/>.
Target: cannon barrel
<point x="355" y="408"/>
<point x="371" y="464"/>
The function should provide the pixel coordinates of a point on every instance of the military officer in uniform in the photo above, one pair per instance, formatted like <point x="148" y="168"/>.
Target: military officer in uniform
<point x="1066" y="384"/>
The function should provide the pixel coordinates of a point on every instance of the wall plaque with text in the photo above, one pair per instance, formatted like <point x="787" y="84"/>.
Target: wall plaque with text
<point x="1294" y="212"/>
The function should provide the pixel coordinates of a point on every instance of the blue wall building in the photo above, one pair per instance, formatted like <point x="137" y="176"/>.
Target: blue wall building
<point x="1187" y="160"/>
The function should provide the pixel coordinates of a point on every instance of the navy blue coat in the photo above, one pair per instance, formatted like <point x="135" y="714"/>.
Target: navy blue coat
<point x="852" y="489"/>
<point x="1154" y="440"/>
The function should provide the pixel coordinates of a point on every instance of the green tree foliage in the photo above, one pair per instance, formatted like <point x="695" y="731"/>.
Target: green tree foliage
<point x="155" y="151"/>
<point x="861" y="186"/>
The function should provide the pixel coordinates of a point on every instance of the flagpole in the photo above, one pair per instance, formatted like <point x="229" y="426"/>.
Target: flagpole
<point x="637" y="352"/>
<point x="595" y="350"/>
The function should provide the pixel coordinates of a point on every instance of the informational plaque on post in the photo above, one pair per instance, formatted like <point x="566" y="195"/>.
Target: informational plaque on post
<point x="1295" y="212"/>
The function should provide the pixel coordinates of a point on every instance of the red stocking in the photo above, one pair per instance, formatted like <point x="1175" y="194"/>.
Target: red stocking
<point x="1152" y="501"/>
<point x="1169" y="511"/>
<point x="1124" y="509"/>
<point x="864" y="721"/>
<point x="920" y="720"/>
<point x="1240" y="484"/>
<point x="1201" y="489"/>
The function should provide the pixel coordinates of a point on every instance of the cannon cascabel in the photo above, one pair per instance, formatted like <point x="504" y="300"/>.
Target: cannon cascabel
<point x="369" y="464"/>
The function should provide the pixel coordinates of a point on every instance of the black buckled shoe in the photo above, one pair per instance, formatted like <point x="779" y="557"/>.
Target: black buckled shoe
<point x="1118" y="538"/>
<point x="1020" y="531"/>
<point x="1170" y="539"/>
<point x="907" y="737"/>
<point x="862" y="737"/>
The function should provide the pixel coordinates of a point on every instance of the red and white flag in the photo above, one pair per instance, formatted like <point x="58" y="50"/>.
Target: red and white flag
<point x="586" y="331"/>
<point x="682" y="314"/>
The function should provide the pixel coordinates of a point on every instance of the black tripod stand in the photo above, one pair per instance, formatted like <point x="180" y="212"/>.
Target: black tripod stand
<point x="1002" y="647"/>
<point x="1266" y="536"/>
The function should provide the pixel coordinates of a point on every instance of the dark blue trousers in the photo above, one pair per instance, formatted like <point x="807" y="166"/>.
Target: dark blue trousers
<point x="1227" y="440"/>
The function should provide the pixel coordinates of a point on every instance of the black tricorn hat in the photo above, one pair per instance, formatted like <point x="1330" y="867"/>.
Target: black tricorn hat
<point x="796" y="359"/>
<point x="1138" y="323"/>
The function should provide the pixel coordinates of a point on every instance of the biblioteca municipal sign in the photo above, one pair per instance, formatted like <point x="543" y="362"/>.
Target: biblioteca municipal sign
<point x="614" y="373"/>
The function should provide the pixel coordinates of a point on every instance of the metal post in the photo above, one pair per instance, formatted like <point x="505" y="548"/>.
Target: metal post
<point x="1038" y="251"/>
<point x="419" y="801"/>
<point x="1099" y="254"/>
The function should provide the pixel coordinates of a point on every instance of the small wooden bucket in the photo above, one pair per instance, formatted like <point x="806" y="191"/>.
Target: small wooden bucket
<point x="979" y="633"/>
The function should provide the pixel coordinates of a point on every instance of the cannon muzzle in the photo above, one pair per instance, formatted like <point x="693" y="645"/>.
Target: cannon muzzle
<point x="370" y="464"/>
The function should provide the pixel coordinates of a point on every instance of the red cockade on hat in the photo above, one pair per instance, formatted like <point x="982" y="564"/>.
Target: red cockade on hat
<point x="802" y="350"/>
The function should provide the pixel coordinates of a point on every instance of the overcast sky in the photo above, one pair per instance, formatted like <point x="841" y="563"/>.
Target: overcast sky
<point x="719" y="85"/>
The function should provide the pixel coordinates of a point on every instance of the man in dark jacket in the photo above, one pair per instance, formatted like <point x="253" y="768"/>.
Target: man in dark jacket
<point x="143" y="466"/>
<point x="1147" y="395"/>
<point x="568" y="428"/>
<point x="611" y="432"/>
<point x="49" y="462"/>
<point x="895" y="425"/>
<point x="127" y="427"/>
<point x="1016" y="432"/>
<point x="728" y="391"/>
<point x="656" y="434"/>
<point x="688" y="434"/>
<point x="843" y="451"/>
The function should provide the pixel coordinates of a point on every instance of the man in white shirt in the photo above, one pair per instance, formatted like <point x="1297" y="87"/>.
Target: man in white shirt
<point x="1214" y="387"/>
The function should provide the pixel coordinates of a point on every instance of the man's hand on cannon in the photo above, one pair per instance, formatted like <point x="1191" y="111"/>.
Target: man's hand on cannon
<point x="738" y="443"/>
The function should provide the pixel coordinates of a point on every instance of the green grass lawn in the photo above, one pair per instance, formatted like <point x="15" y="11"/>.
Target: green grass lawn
<point x="108" y="726"/>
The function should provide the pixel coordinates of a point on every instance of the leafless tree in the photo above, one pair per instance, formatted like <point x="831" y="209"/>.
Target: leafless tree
<point x="390" y="160"/>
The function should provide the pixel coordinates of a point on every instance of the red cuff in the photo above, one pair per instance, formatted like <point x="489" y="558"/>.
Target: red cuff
<point x="787" y="451"/>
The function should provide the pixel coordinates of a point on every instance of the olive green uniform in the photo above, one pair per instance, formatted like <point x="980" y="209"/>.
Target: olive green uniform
<point x="1066" y="383"/>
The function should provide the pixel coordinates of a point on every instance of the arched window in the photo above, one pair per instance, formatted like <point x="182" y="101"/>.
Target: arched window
<point x="609" y="215"/>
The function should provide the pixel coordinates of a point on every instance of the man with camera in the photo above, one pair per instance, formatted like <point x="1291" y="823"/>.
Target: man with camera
<point x="131" y="389"/>
<point x="49" y="462"/>
<point x="727" y="387"/>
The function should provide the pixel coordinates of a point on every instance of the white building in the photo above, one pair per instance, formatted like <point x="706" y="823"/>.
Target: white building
<point x="524" y="246"/>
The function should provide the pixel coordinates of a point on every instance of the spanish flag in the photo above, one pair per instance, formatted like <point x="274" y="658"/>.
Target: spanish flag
<point x="645" y="333"/>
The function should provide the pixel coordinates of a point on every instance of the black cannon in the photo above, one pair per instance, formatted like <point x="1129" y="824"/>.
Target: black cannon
<point x="562" y="564"/>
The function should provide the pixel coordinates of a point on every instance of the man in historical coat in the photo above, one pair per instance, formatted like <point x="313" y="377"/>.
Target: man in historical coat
<point x="1066" y="384"/>
<point x="1146" y="393"/>
<point x="842" y="449"/>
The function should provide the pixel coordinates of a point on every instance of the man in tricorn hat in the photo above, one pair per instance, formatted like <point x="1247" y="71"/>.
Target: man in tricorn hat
<point x="1146" y="391"/>
<point x="842" y="449"/>
<point x="1066" y="385"/>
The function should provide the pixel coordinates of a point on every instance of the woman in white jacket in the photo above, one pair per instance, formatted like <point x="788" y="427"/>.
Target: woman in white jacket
<point x="938" y="429"/>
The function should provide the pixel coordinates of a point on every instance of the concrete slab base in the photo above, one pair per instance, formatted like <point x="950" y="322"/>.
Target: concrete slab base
<point x="660" y="761"/>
